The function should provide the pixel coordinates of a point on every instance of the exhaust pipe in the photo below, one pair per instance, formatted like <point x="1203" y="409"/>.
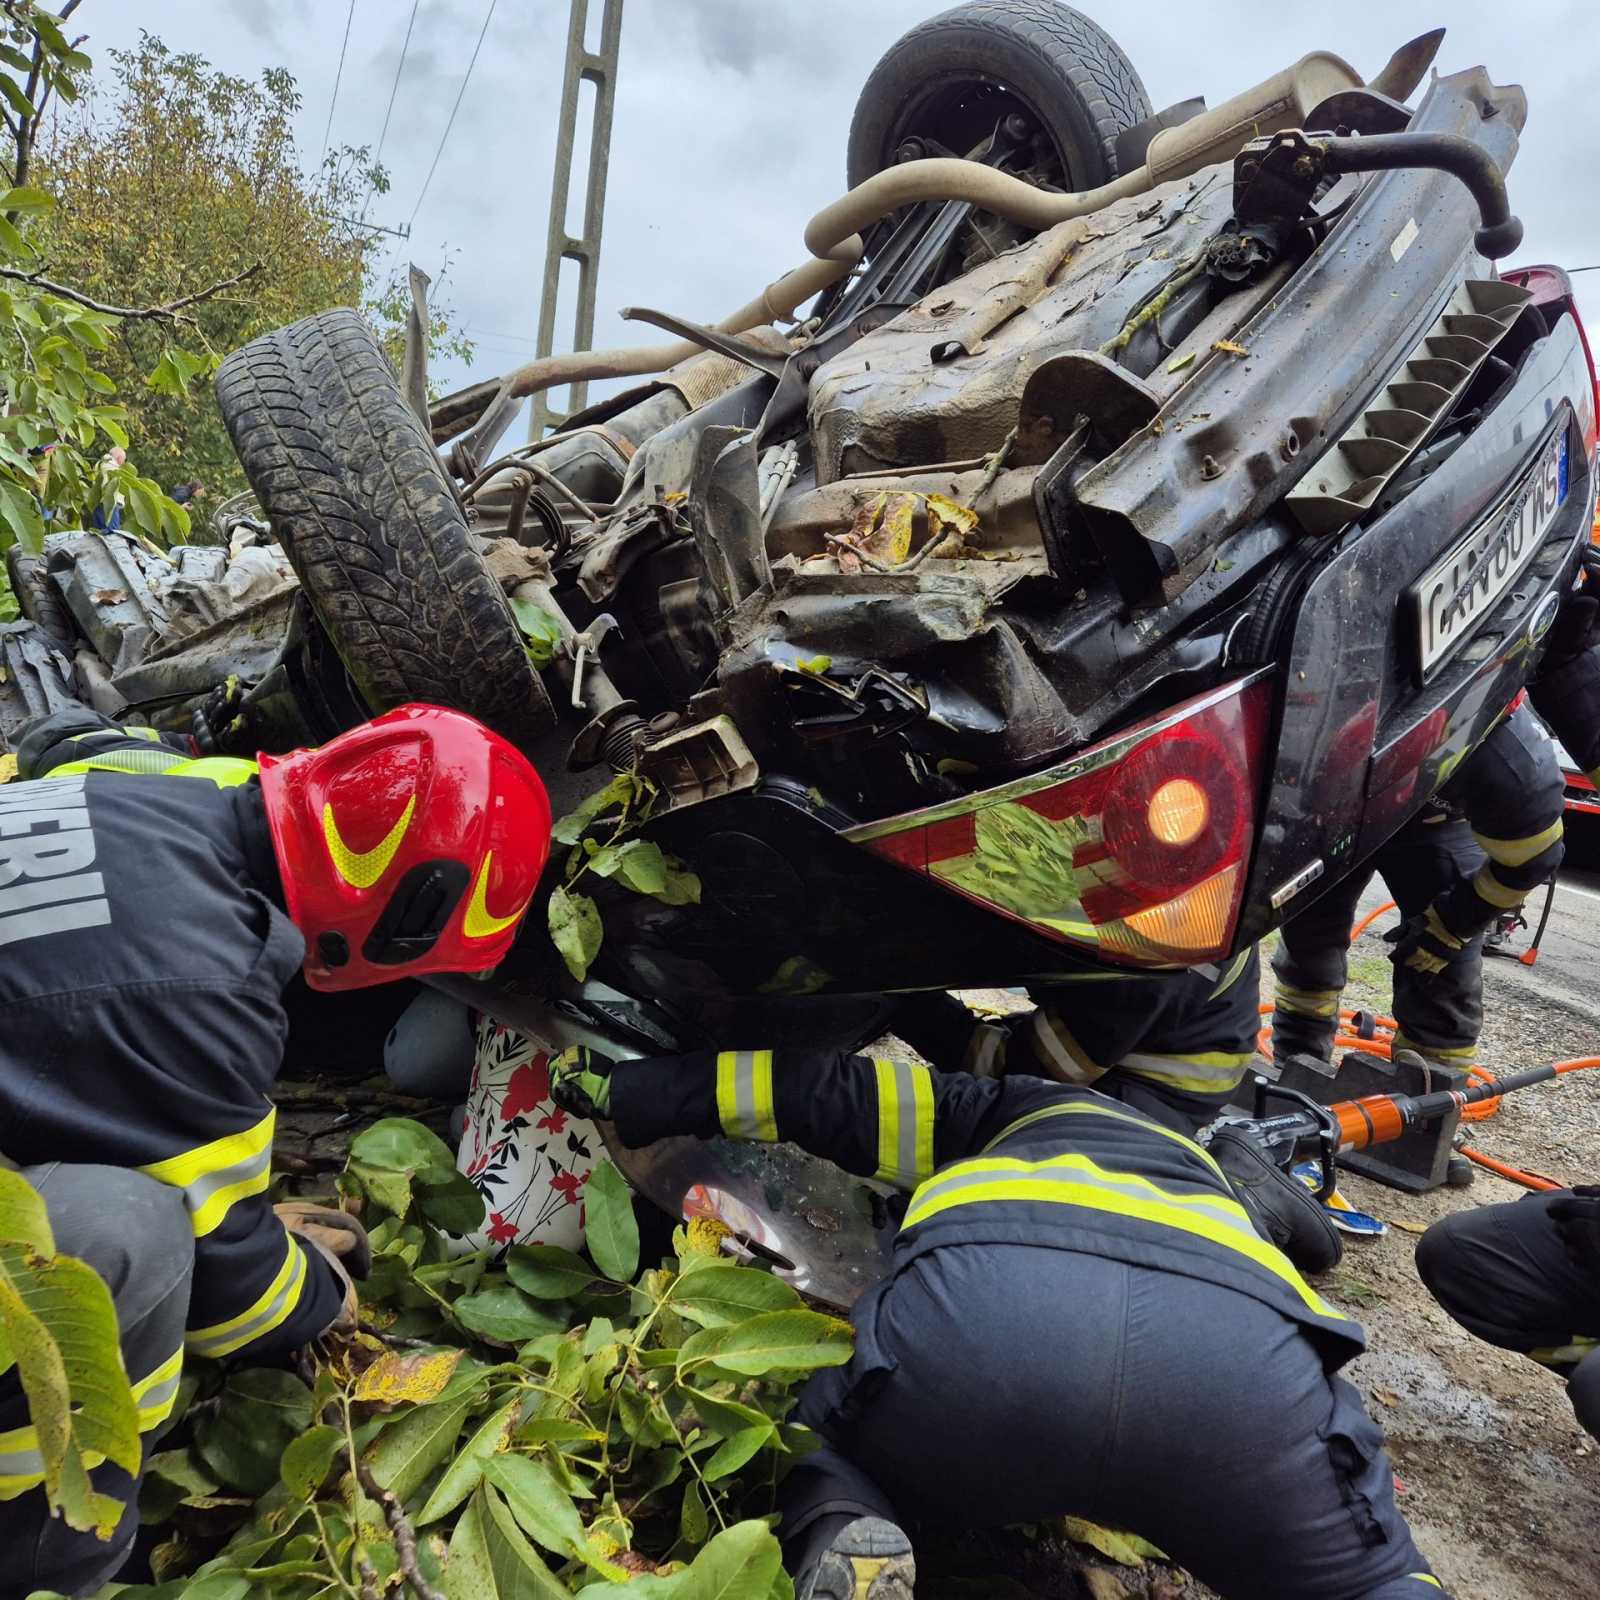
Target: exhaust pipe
<point x="833" y="236"/>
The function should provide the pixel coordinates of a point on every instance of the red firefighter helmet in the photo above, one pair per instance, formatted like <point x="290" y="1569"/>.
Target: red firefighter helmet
<point x="411" y="844"/>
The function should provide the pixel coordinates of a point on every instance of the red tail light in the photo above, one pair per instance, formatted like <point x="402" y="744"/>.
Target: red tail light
<point x="1136" y="848"/>
<point x="1552" y="289"/>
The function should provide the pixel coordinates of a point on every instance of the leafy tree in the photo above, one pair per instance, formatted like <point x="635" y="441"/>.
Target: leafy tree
<point x="172" y="172"/>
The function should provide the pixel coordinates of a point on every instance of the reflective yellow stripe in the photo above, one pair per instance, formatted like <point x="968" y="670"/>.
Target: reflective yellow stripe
<point x="1452" y="1055"/>
<point x="362" y="868"/>
<point x="1205" y="1072"/>
<point x="156" y="1395"/>
<point x="1516" y="852"/>
<point x="1565" y="1355"/>
<point x="1306" y="1002"/>
<point x="744" y="1095"/>
<point x="1234" y="972"/>
<point x="272" y="1309"/>
<point x="214" y="1176"/>
<point x="1080" y="1108"/>
<point x="905" y="1123"/>
<point x="227" y="772"/>
<point x="1499" y="895"/>
<point x="1436" y="926"/>
<point x="1425" y="1577"/>
<point x="22" y="1464"/>
<point x="1078" y="1181"/>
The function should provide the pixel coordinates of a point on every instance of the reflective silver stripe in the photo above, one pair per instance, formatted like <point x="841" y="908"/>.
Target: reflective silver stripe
<point x="1068" y="1067"/>
<point x="1214" y="1206"/>
<point x="985" y="1055"/>
<point x="21" y="1463"/>
<point x="227" y="1337"/>
<point x="744" y="1095"/>
<point x="160" y="1398"/>
<point x="196" y="1194"/>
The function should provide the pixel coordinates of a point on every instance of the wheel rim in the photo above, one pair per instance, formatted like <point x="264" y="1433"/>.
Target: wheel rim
<point x="960" y="110"/>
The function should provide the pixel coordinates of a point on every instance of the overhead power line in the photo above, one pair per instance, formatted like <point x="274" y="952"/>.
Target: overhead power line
<point x="327" y="133"/>
<point x="460" y="96"/>
<point x="394" y="87"/>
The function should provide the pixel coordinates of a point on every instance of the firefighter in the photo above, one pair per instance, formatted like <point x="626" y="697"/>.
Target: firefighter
<point x="1526" y="1276"/>
<point x="148" y="930"/>
<point x="1175" y="1046"/>
<point x="1079" y="1318"/>
<point x="1492" y="835"/>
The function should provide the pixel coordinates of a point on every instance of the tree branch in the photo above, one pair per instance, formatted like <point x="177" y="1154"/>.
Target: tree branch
<point x="170" y="312"/>
<point x="400" y="1530"/>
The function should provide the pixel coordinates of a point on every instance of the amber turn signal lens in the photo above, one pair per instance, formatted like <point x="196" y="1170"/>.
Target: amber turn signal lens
<point x="1178" y="810"/>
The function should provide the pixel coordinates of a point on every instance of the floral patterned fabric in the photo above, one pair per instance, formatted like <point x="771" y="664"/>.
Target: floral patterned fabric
<point x="527" y="1157"/>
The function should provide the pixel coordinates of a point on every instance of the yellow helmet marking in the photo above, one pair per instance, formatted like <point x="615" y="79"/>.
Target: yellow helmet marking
<point x="478" y="922"/>
<point x="362" y="868"/>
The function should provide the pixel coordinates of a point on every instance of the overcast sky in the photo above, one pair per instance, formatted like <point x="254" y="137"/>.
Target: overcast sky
<point x="731" y="118"/>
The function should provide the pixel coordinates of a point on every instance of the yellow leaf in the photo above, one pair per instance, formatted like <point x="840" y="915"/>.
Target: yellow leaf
<point x="8" y="768"/>
<point x="950" y="513"/>
<point x="418" y="1377"/>
<point x="815" y="665"/>
<point x="703" y="1236"/>
<point x="1230" y="347"/>
<point x="1126" y="1549"/>
<point x="894" y="538"/>
<point x="1178" y="363"/>
<point x="1408" y="1227"/>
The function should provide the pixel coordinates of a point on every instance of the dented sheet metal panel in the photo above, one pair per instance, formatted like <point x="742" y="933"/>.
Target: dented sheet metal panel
<point x="943" y="381"/>
<point x="1313" y="358"/>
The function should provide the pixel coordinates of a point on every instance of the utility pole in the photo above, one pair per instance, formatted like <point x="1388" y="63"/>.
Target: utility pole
<point x="600" y="69"/>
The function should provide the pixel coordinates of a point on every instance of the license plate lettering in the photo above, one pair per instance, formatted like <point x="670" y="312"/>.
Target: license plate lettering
<point x="1463" y="586"/>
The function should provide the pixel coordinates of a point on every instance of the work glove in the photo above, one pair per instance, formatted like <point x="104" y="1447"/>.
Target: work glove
<point x="221" y="725"/>
<point x="580" y="1082"/>
<point x="341" y="1241"/>
<point x="1424" y="944"/>
<point x="1281" y="1209"/>
<point x="1577" y="624"/>
<point x="1577" y="1219"/>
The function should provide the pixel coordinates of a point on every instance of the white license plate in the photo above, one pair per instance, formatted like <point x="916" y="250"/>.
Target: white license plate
<point x="1459" y="589"/>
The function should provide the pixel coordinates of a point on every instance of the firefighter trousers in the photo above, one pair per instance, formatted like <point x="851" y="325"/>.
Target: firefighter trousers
<point x="1009" y="1383"/>
<point x="1503" y="1273"/>
<point x="1436" y="1013"/>
<point x="135" y="1233"/>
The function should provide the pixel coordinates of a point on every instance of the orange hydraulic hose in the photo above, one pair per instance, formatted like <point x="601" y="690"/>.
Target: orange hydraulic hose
<point x="1383" y="1044"/>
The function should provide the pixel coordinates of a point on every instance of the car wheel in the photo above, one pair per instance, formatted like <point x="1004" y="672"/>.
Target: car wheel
<point x="356" y="494"/>
<point x="954" y="76"/>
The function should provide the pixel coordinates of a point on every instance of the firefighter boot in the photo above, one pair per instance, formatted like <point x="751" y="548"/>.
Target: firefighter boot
<point x="867" y="1559"/>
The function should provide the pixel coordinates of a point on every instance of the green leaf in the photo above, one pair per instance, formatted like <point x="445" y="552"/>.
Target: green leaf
<point x="732" y="1453"/>
<point x="556" y="1430"/>
<point x="490" y="1559"/>
<point x="779" y="1340"/>
<point x="409" y="1449"/>
<point x="611" y="1231"/>
<point x="621" y="792"/>
<point x="504" y="1315"/>
<point x="447" y="1199"/>
<point x="26" y="200"/>
<point x="720" y="1293"/>
<point x="637" y="865"/>
<point x="541" y="1506"/>
<point x="548" y="1272"/>
<point x="742" y="1563"/>
<point x="542" y="633"/>
<point x="260" y="1411"/>
<point x="401" y="1145"/>
<point x="20" y="103"/>
<point x="170" y="1478"/>
<point x="725" y="1418"/>
<point x="576" y="929"/>
<point x="59" y="1327"/>
<point x="693" y="1523"/>
<point x="682" y="887"/>
<point x="23" y="1219"/>
<point x="306" y="1461"/>
<point x="465" y="1473"/>
<point x="19" y="511"/>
